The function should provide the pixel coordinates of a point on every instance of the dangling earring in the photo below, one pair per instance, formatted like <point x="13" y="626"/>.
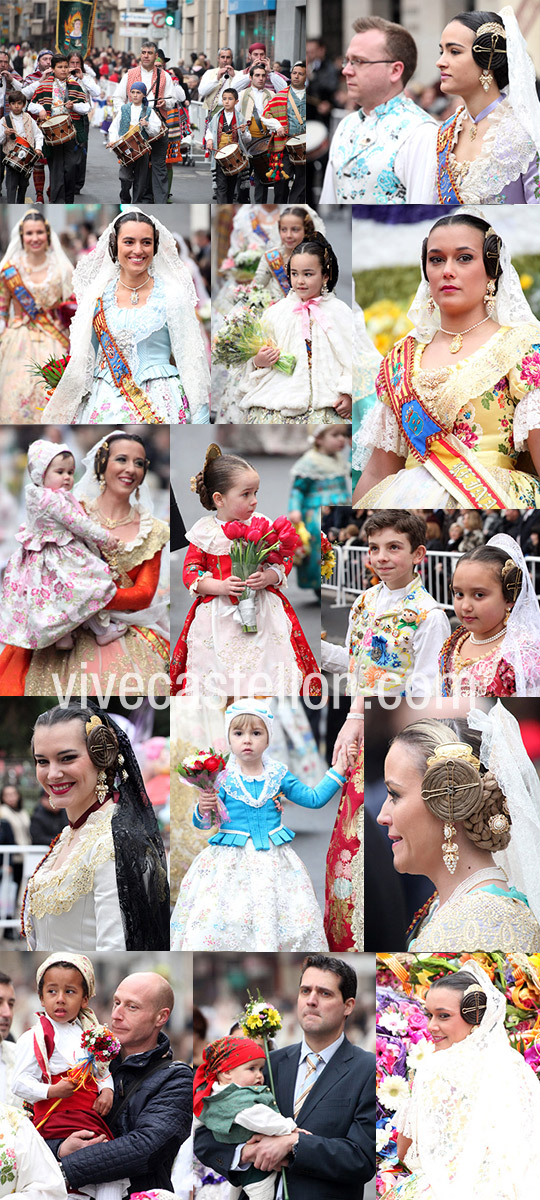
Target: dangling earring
<point x="486" y="79"/>
<point x="137" y="494"/>
<point x="102" y="485"/>
<point x="489" y="298"/>
<point x="324" y="289"/>
<point x="54" y="806"/>
<point x="507" y="616"/>
<point x="101" y="788"/>
<point x="450" y="849"/>
<point x="431" y="306"/>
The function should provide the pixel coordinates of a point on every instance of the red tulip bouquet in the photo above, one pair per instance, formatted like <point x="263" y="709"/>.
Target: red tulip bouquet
<point x="201" y="771"/>
<point x="261" y="543"/>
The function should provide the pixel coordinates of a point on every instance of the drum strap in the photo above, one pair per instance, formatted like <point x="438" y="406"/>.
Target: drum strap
<point x="294" y="107"/>
<point x="37" y="316"/>
<point x="120" y="371"/>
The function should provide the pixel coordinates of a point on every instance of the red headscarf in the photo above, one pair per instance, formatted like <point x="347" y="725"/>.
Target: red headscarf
<point x="218" y="1056"/>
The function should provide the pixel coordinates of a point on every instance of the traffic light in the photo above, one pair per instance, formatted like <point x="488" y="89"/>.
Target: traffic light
<point x="172" y="12"/>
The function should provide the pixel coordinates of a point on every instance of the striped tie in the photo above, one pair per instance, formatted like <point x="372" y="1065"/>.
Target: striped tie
<point x="312" y="1061"/>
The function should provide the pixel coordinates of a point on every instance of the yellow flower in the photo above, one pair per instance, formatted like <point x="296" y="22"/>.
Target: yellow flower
<point x="526" y="281"/>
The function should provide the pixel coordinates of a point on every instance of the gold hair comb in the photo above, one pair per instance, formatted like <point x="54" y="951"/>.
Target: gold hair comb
<point x="459" y="750"/>
<point x="93" y="722"/>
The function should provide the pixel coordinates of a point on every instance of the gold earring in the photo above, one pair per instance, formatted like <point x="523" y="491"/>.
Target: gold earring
<point x="489" y="298"/>
<point x="102" y="485"/>
<point x="431" y="305"/>
<point x="137" y="494"/>
<point x="486" y="79"/>
<point x="101" y="788"/>
<point x="450" y="849"/>
<point x="54" y="806"/>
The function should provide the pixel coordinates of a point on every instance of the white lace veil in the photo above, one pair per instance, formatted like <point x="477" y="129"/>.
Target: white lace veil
<point x="91" y="277"/>
<point x="474" y="1111"/>
<point x="15" y="254"/>
<point x="503" y="752"/>
<point x="521" y="90"/>
<point x="511" y="307"/>
<point x="521" y="645"/>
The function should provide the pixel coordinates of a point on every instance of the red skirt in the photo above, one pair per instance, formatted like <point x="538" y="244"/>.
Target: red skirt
<point x="56" y="1118"/>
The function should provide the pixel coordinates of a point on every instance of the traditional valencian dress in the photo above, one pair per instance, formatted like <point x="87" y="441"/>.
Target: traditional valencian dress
<point x="212" y="643"/>
<point x="27" y="1166"/>
<point x="317" y="479"/>
<point x="490" y="675"/>
<point x="37" y="329"/>
<point x="319" y="334"/>
<point x="44" y="1055"/>
<point x="505" y="172"/>
<point x="394" y="635"/>
<point x="248" y="890"/>
<point x="476" y="915"/>
<point x="383" y="157"/>
<point x="344" y="892"/>
<point x="271" y="273"/>
<point x="464" y="423"/>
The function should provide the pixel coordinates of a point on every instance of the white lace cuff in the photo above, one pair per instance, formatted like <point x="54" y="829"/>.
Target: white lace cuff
<point x="526" y="417"/>
<point x="194" y="587"/>
<point x="378" y="430"/>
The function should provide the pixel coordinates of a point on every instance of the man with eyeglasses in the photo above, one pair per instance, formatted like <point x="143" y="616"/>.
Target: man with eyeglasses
<point x="385" y="151"/>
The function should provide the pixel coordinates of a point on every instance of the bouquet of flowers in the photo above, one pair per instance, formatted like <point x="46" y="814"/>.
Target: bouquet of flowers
<point x="262" y="1020"/>
<point x="328" y="557"/>
<point x="251" y="546"/>
<point x="244" y="263"/>
<point x="201" y="771"/>
<point x="241" y="338"/>
<point x="99" y="1045"/>
<point x="51" y="373"/>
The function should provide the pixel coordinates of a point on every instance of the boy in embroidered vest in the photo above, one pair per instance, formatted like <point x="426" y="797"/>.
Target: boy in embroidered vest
<point x="136" y="114"/>
<point x="396" y="629"/>
<point x="53" y="96"/>
<point x="231" y="1099"/>
<point x="286" y="114"/>
<point x="224" y="128"/>
<point x="45" y="1053"/>
<point x="18" y="127"/>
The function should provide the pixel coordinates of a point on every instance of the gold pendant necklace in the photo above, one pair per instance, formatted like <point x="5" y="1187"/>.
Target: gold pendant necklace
<point x="109" y="523"/>
<point x="135" y="291"/>
<point x="457" y="338"/>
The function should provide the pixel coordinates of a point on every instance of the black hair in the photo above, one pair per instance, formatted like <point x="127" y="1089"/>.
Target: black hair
<point x="18" y="791"/>
<point x="492" y="556"/>
<point x="492" y="243"/>
<point x="58" y="58"/>
<point x="297" y="211"/>
<point x="5" y="979"/>
<point x="473" y="1006"/>
<point x="489" y="49"/>
<point x="15" y="95"/>
<point x="34" y="215"/>
<point x="257" y="66"/>
<point x="217" y="475"/>
<point x="76" y="54"/>
<point x="68" y="966"/>
<point x="321" y="249"/>
<point x="348" y="982"/>
<point x="140" y="219"/>
<point x="230" y="92"/>
<point x="102" y="455"/>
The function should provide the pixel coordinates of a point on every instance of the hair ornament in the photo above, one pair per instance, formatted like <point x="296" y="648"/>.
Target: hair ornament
<point x="491" y="27"/>
<point x="499" y="823"/>
<point x="515" y="587"/>
<point x="93" y="723"/>
<point x="459" y="750"/>
<point x="473" y="1004"/>
<point x="193" y="483"/>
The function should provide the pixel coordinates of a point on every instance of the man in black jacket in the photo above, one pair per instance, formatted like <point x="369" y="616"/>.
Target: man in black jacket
<point x="328" y="1085"/>
<point x="153" y="1097"/>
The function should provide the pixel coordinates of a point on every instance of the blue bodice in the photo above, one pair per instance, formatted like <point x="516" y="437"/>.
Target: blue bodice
<point x="262" y="821"/>
<point x="141" y="334"/>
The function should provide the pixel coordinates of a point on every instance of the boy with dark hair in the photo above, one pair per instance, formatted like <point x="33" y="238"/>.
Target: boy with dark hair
<point x="56" y="95"/>
<point x="396" y="629"/>
<point x="17" y="130"/>
<point x="225" y="128"/>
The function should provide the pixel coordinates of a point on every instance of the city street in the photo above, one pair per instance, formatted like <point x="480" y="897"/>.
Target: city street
<point x="190" y="183"/>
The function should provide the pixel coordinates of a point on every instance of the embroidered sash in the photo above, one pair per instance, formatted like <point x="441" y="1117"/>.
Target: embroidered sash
<point x="37" y="315"/>
<point x="257" y="228"/>
<point x="463" y="476"/>
<point x="120" y="371"/>
<point x="277" y="267"/>
<point x="447" y="189"/>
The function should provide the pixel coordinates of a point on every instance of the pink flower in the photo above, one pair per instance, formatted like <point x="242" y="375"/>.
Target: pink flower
<point x="530" y="369"/>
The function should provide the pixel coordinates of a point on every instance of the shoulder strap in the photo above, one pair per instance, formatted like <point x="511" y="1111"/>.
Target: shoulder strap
<point x="156" y="89"/>
<point x="294" y="107"/>
<point x="123" y="1097"/>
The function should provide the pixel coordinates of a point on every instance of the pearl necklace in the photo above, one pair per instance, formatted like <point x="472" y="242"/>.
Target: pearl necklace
<point x="484" y="641"/>
<point x="135" y="291"/>
<point x="457" y="338"/>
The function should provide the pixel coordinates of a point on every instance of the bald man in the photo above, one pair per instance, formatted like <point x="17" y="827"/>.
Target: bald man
<point x="153" y="1097"/>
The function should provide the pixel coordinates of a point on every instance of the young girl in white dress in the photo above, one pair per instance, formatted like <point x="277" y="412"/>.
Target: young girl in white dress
<point x="314" y="326"/>
<point x="248" y="890"/>
<point x="57" y="580"/>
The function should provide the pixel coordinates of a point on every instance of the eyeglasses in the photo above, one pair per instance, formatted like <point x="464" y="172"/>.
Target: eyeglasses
<point x="364" y="62"/>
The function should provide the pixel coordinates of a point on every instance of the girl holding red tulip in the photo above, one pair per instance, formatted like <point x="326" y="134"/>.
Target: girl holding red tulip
<point x="241" y="634"/>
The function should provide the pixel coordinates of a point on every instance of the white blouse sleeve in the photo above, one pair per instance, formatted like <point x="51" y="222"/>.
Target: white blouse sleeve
<point x="526" y="418"/>
<point x="26" y="1080"/>
<point x="109" y="926"/>
<point x="259" y="1118"/>
<point x="379" y="430"/>
<point x="416" y="162"/>
<point x="38" y="1175"/>
<point x="334" y="658"/>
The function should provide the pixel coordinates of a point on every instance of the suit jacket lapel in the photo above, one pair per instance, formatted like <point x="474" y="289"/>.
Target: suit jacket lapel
<point x="285" y="1079"/>
<point x="332" y="1074"/>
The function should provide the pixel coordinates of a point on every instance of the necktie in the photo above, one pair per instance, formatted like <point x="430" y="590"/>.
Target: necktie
<point x="312" y="1061"/>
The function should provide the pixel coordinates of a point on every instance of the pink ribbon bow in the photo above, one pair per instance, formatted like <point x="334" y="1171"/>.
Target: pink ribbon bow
<point x="305" y="307"/>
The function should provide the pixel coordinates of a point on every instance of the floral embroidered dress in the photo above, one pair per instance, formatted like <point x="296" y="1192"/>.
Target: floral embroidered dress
<point x="248" y="890"/>
<point x="142" y="337"/>
<point x="213" y="651"/>
<point x="25" y="341"/>
<point x="465" y="423"/>
<point x="142" y="651"/>
<point x="487" y="916"/>
<point x="344" y="892"/>
<point x="28" y="1169"/>
<point x="56" y="580"/>
<point x="317" y="479"/>
<point x="490" y="675"/>
<point x="506" y="170"/>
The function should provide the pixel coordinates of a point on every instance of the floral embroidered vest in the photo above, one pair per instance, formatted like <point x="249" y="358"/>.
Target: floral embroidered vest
<point x="381" y="648"/>
<point x="364" y="152"/>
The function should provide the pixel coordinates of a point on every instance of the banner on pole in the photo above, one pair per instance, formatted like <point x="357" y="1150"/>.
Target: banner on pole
<point x="74" y="26"/>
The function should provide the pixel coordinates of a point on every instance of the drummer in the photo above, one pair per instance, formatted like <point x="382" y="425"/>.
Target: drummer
<point x="286" y="114"/>
<point x="135" y="115"/>
<point x="18" y="124"/>
<point x="253" y="102"/>
<point x="55" y="96"/>
<point x="225" y="127"/>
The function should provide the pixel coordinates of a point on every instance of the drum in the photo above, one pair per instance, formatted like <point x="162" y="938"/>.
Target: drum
<point x="231" y="159"/>
<point x="259" y="153"/>
<point x="130" y="147"/>
<point x="58" y="129"/>
<point x="20" y="155"/>
<point x="296" y="149"/>
<point x="317" y="140"/>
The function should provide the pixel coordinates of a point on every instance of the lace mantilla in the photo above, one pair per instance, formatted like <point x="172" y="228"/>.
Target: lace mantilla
<point x="378" y="430"/>
<point x="51" y="891"/>
<point x="507" y="152"/>
<point x="233" y="783"/>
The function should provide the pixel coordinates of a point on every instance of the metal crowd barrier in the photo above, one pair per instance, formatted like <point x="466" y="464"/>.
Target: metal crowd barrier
<point x="31" y="856"/>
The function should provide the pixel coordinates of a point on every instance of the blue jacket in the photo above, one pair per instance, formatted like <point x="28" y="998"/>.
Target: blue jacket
<point x="263" y="824"/>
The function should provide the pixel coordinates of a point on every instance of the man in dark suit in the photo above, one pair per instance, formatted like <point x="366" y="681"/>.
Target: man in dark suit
<point x="328" y="1085"/>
